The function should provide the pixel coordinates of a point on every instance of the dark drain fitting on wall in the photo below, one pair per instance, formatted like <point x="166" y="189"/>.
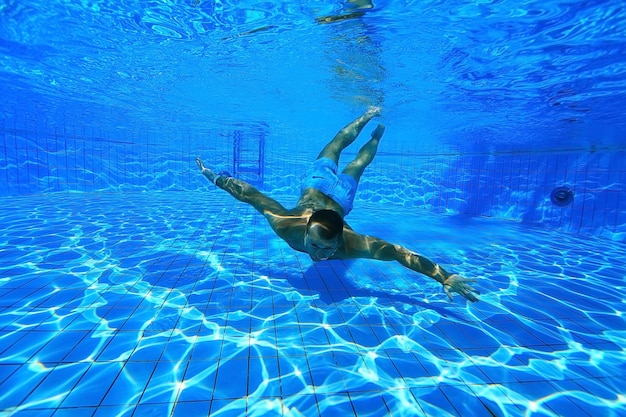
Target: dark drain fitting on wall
<point x="562" y="196"/>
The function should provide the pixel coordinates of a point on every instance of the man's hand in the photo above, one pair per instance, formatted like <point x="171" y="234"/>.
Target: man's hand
<point x="206" y="171"/>
<point x="456" y="283"/>
<point x="200" y="164"/>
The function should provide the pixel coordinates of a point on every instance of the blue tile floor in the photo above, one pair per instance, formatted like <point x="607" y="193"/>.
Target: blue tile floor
<point x="185" y="304"/>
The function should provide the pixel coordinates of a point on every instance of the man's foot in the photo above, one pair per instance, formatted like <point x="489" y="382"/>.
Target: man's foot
<point x="373" y="111"/>
<point x="378" y="132"/>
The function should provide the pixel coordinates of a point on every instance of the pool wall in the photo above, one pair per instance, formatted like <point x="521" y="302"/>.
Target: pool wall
<point x="512" y="184"/>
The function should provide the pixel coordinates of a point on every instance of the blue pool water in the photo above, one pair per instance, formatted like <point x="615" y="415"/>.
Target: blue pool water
<point x="186" y="304"/>
<point x="130" y="286"/>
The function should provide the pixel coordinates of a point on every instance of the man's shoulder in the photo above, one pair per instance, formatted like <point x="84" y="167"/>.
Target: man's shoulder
<point x="286" y="220"/>
<point x="290" y="227"/>
<point x="295" y="213"/>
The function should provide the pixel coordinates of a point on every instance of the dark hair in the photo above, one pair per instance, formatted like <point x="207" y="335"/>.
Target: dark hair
<point x="331" y="222"/>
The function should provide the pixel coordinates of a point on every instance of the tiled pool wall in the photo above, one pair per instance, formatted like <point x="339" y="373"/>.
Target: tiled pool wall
<point x="511" y="184"/>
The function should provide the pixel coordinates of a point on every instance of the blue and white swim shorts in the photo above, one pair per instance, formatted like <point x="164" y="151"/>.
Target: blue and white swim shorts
<point x="323" y="177"/>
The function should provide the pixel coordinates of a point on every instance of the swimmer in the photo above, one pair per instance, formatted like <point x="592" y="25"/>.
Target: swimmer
<point x="316" y="224"/>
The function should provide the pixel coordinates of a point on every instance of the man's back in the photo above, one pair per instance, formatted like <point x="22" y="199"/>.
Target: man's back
<point x="290" y="225"/>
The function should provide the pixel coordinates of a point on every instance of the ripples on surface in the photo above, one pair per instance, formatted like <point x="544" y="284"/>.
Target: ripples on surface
<point x="455" y="72"/>
<point x="186" y="302"/>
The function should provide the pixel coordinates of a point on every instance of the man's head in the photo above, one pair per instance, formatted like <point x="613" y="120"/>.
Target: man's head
<point x="323" y="233"/>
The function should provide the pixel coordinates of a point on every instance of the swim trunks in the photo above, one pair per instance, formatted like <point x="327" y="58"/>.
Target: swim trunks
<point x="323" y="177"/>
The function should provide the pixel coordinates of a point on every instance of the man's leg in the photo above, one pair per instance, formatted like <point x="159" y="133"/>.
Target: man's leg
<point x="347" y="135"/>
<point x="366" y="155"/>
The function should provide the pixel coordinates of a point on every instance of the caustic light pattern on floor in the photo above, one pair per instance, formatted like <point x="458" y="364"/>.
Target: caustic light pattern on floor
<point x="186" y="304"/>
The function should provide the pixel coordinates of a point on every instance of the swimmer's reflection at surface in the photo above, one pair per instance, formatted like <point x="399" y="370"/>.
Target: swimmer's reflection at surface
<point x="355" y="9"/>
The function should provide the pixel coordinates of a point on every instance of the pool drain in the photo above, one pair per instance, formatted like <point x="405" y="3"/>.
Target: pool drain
<point x="562" y="196"/>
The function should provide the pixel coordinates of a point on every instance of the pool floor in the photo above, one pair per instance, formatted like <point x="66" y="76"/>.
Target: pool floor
<point x="185" y="304"/>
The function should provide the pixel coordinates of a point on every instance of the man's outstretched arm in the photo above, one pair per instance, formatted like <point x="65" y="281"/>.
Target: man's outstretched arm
<point x="358" y="246"/>
<point x="242" y="191"/>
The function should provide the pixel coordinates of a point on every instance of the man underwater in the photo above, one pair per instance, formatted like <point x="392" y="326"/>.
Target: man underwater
<point x="316" y="226"/>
